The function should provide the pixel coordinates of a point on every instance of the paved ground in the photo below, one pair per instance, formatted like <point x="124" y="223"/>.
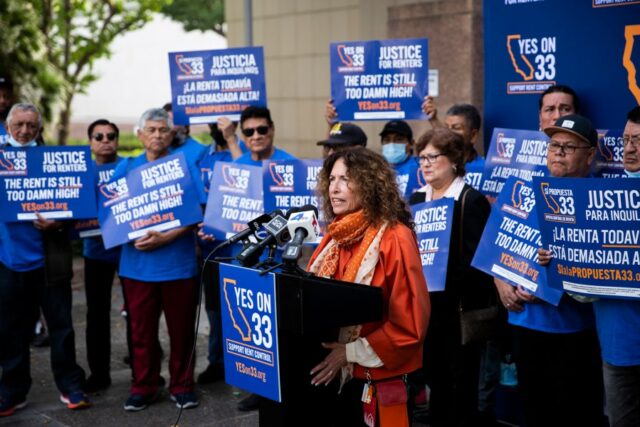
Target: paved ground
<point x="217" y="401"/>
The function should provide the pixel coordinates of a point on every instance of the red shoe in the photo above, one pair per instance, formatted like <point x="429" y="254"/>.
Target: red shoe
<point x="7" y="407"/>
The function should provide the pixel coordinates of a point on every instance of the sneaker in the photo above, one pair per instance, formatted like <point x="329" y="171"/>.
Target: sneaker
<point x="95" y="384"/>
<point x="75" y="400"/>
<point x="138" y="402"/>
<point x="8" y="407"/>
<point x="212" y="374"/>
<point x="185" y="400"/>
<point x="249" y="403"/>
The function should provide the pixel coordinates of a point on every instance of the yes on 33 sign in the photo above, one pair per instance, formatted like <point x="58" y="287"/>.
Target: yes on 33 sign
<point x="249" y="330"/>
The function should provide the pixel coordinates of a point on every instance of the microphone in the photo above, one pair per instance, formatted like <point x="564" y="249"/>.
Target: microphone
<point x="252" y="227"/>
<point x="304" y="227"/>
<point x="277" y="234"/>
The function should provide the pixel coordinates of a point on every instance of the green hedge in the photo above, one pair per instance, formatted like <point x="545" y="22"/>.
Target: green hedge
<point x="129" y="145"/>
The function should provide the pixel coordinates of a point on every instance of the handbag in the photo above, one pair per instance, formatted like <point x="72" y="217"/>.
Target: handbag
<point x="481" y="324"/>
<point x="389" y="402"/>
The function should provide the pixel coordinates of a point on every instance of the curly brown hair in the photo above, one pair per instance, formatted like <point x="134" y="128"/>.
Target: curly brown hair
<point x="448" y="143"/>
<point x="374" y="182"/>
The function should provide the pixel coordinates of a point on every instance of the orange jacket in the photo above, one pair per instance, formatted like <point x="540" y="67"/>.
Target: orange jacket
<point x="397" y="339"/>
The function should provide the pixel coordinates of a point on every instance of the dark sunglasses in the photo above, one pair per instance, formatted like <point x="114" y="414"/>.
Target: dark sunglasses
<point x="262" y="130"/>
<point x="111" y="136"/>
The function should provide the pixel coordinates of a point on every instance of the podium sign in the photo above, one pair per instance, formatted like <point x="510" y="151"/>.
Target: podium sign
<point x="249" y="330"/>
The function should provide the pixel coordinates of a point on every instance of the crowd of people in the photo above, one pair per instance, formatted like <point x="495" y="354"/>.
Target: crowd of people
<point x="570" y="358"/>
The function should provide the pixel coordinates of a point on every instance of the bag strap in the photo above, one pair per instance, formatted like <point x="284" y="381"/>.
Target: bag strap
<point x="464" y="197"/>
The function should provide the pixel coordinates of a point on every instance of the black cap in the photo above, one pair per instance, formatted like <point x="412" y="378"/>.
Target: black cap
<point x="397" y="126"/>
<point x="345" y="134"/>
<point x="577" y="125"/>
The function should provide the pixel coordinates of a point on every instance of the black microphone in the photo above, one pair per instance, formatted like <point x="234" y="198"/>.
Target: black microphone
<point x="277" y="234"/>
<point x="252" y="228"/>
<point x="304" y="227"/>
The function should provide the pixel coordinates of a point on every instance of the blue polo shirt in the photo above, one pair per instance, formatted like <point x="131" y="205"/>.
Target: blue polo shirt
<point x="174" y="261"/>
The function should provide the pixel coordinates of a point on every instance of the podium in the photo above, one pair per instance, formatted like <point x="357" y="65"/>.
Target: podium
<point x="310" y="310"/>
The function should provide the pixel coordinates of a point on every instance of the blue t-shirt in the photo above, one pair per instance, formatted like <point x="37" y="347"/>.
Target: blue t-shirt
<point x="474" y="170"/>
<point x="193" y="151"/>
<point x="93" y="247"/>
<point x="569" y="316"/>
<point x="405" y="170"/>
<point x="174" y="261"/>
<point x="21" y="246"/>
<point x="278" y="154"/>
<point x="618" y="323"/>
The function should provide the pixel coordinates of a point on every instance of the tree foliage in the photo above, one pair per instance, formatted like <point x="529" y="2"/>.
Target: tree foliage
<point x="203" y="15"/>
<point x="22" y="56"/>
<point x="54" y="44"/>
<point x="78" y="32"/>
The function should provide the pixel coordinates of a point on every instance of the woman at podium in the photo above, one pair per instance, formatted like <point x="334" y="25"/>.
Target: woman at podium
<point x="370" y="240"/>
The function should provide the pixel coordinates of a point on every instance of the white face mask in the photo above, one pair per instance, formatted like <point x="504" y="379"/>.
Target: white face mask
<point x="12" y="142"/>
<point x="395" y="153"/>
<point x="635" y="174"/>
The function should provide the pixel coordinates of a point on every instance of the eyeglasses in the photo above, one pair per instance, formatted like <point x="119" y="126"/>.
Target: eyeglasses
<point x="262" y="130"/>
<point x="631" y="139"/>
<point x="151" y="131"/>
<point x="429" y="158"/>
<point x="111" y="136"/>
<point x="556" y="147"/>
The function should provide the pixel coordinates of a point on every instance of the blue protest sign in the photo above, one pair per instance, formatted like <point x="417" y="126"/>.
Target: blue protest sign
<point x="473" y="176"/>
<point x="290" y="183"/>
<point x="209" y="84"/>
<point x="235" y="198"/>
<point x="91" y="227"/>
<point x="407" y="177"/>
<point x="4" y="136"/>
<point x="379" y="79"/>
<point x="250" y="330"/>
<point x="509" y="245"/>
<point x="519" y="153"/>
<point x="528" y="47"/>
<point x="591" y="227"/>
<point x="416" y="182"/>
<point x="608" y="161"/>
<point x="57" y="182"/>
<point x="158" y="195"/>
<point x="433" y="229"/>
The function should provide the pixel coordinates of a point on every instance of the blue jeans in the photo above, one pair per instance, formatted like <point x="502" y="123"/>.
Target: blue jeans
<point x="622" y="388"/>
<point x="21" y="296"/>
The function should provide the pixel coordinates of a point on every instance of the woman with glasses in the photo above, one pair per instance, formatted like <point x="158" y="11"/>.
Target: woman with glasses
<point x="450" y="368"/>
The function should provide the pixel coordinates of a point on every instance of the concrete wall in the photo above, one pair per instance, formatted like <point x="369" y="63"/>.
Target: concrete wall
<point x="296" y="36"/>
